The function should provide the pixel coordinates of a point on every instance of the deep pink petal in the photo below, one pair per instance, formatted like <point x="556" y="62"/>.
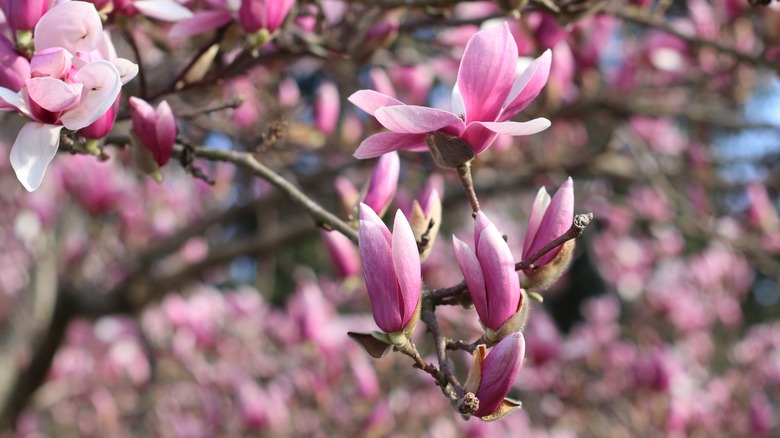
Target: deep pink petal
<point x="472" y="273"/>
<point x="384" y="142"/>
<point x="53" y="94"/>
<point x="541" y="202"/>
<point x="165" y="131"/>
<point x="528" y="85"/>
<point x="501" y="281"/>
<point x="487" y="72"/>
<point x="367" y="214"/>
<point x="377" y="260"/>
<point x="200" y="23"/>
<point x="478" y="137"/>
<point x="101" y="87"/>
<point x="34" y="148"/>
<point x="499" y="372"/>
<point x="74" y="26"/>
<point x="165" y="10"/>
<point x="370" y="101"/>
<point x="557" y="219"/>
<point x="406" y="261"/>
<point x="412" y="119"/>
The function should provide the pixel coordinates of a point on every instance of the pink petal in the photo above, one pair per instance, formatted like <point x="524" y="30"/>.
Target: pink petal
<point x="472" y="273"/>
<point x="370" y="101"/>
<point x="53" y="62"/>
<point x="540" y="205"/>
<point x="53" y="94"/>
<point x="478" y="137"/>
<point x="166" y="133"/>
<point x="165" y="10"/>
<point x="502" y="283"/>
<point x="487" y="72"/>
<point x="34" y="148"/>
<point x="480" y="223"/>
<point x="528" y="85"/>
<point x="200" y="23"/>
<point x="74" y="26"/>
<point x="557" y="219"/>
<point x="101" y="87"/>
<point x="412" y="119"/>
<point x="377" y="260"/>
<point x="384" y="142"/>
<point x="406" y="261"/>
<point x="367" y="214"/>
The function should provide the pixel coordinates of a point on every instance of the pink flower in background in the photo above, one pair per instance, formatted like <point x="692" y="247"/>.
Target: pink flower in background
<point x="64" y="91"/>
<point x="490" y="274"/>
<point x="156" y="128"/>
<point x="481" y="108"/>
<point x="391" y="266"/>
<point x="327" y="107"/>
<point x="24" y="14"/>
<point x="342" y="254"/>
<point x="164" y="10"/>
<point x="14" y="68"/>
<point x="255" y="15"/>
<point x="383" y="184"/>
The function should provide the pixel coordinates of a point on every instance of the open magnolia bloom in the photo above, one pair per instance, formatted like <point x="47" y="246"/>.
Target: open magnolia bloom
<point x="487" y="94"/>
<point x="75" y="78"/>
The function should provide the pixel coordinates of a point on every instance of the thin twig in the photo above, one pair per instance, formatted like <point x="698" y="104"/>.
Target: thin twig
<point x="578" y="225"/>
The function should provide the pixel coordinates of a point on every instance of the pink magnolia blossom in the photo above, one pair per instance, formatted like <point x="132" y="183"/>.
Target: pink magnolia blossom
<point x="549" y="220"/>
<point x="383" y="184"/>
<point x="499" y="371"/>
<point x="164" y="10"/>
<point x="24" y="14"/>
<point x="481" y="108"/>
<point x="490" y="274"/>
<point x="71" y="85"/>
<point x="255" y="15"/>
<point x="391" y="267"/>
<point x="156" y="128"/>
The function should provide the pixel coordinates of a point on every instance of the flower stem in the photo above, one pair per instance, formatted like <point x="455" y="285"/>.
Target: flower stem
<point x="464" y="175"/>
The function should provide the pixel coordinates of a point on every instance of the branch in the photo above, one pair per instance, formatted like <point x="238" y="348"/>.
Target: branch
<point x="247" y="161"/>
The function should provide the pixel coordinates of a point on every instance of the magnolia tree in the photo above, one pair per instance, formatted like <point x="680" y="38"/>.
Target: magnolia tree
<point x="187" y="252"/>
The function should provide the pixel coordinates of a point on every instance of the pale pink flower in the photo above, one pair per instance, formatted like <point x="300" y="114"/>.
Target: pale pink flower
<point x="481" y="108"/>
<point x="64" y="90"/>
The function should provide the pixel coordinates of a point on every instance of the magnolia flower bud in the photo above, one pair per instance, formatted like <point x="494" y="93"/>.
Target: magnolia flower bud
<point x="383" y="184"/>
<point x="549" y="220"/>
<point x="391" y="267"/>
<point x="489" y="271"/>
<point x="327" y="107"/>
<point x="255" y="15"/>
<point x="14" y="68"/>
<point x="347" y="196"/>
<point x="156" y="129"/>
<point x="426" y="219"/>
<point x="492" y="376"/>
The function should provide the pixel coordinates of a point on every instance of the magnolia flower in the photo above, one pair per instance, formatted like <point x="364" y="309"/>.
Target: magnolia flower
<point x="392" y="270"/>
<point x="425" y="215"/>
<point x="164" y="10"/>
<point x="155" y="128"/>
<point x="71" y="86"/>
<point x="327" y="107"/>
<point x="492" y="376"/>
<point x="549" y="220"/>
<point x="488" y="93"/>
<point x="342" y="254"/>
<point x="490" y="275"/>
